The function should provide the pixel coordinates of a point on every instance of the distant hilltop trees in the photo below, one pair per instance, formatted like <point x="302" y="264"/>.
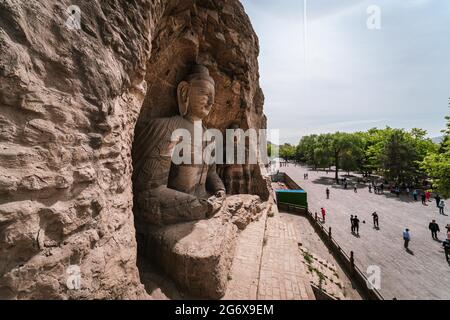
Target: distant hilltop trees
<point x="398" y="155"/>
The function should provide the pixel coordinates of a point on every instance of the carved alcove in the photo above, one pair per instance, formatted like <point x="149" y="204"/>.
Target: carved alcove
<point x="69" y="104"/>
<point x="186" y="36"/>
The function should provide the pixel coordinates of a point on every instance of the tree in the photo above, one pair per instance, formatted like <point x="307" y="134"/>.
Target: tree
<point x="397" y="156"/>
<point x="364" y="161"/>
<point x="339" y="145"/>
<point x="306" y="150"/>
<point x="437" y="164"/>
<point x="287" y="151"/>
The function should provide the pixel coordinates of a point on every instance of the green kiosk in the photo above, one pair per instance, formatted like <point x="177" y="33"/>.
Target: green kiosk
<point x="295" y="197"/>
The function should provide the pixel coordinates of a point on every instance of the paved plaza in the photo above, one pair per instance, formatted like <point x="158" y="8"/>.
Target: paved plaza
<point x="422" y="273"/>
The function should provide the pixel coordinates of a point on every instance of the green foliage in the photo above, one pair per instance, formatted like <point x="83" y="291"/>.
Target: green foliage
<point x="397" y="154"/>
<point x="437" y="164"/>
<point x="287" y="151"/>
<point x="333" y="149"/>
<point x="273" y="150"/>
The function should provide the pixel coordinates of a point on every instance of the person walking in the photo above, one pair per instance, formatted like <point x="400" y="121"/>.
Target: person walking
<point x="328" y="193"/>
<point x="356" y="225"/>
<point x="406" y="238"/>
<point x="322" y="210"/>
<point x="352" y="223"/>
<point x="370" y="188"/>
<point x="355" y="189"/>
<point x="446" y="245"/>
<point x="434" y="228"/>
<point x="415" y="194"/>
<point x="428" y="195"/>
<point x="345" y="185"/>
<point x="375" y="220"/>
<point x="441" y="207"/>
<point x="423" y="199"/>
<point x="438" y="200"/>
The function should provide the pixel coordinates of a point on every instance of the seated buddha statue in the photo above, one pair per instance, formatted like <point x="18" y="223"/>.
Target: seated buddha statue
<point x="166" y="192"/>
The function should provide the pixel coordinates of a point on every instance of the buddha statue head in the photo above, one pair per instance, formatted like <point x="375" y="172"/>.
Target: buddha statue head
<point x="196" y="94"/>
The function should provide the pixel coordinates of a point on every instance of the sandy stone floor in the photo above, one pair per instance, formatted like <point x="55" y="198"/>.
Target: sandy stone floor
<point x="311" y="241"/>
<point x="267" y="264"/>
<point x="422" y="273"/>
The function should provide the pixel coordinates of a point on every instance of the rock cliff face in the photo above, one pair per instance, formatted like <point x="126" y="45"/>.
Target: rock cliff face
<point x="70" y="103"/>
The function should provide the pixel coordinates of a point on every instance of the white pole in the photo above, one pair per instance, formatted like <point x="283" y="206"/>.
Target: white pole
<point x="305" y="33"/>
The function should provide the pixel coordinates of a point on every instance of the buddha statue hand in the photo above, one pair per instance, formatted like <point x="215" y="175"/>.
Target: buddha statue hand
<point x="220" y="194"/>
<point x="215" y="203"/>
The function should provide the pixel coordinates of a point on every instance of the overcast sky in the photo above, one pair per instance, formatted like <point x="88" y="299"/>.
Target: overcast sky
<point x="354" y="78"/>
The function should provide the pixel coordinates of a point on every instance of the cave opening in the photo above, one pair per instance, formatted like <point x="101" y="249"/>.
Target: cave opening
<point x="168" y="65"/>
<point x="172" y="57"/>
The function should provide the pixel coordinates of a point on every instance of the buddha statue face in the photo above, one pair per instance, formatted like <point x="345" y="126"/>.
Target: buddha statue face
<point x="196" y="95"/>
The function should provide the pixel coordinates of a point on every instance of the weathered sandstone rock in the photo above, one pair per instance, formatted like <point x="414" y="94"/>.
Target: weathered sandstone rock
<point x="198" y="255"/>
<point x="70" y="104"/>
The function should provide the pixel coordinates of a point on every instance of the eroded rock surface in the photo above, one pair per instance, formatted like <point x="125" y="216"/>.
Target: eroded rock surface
<point x="69" y="104"/>
<point x="198" y="255"/>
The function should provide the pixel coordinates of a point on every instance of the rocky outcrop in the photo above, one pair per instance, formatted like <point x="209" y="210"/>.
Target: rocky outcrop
<point x="198" y="255"/>
<point x="69" y="103"/>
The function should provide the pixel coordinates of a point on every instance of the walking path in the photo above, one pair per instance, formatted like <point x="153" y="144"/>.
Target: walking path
<point x="282" y="276"/>
<point x="424" y="274"/>
<point x="267" y="265"/>
<point x="243" y="284"/>
<point x="311" y="241"/>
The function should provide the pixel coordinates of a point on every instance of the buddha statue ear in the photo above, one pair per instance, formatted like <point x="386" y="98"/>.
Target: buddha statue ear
<point x="183" y="97"/>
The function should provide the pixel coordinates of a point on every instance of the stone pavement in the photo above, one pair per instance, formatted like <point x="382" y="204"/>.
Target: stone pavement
<point x="424" y="274"/>
<point x="283" y="276"/>
<point x="244" y="278"/>
<point x="267" y="265"/>
<point x="311" y="241"/>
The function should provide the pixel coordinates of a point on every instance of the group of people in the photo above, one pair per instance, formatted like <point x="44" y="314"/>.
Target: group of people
<point x="344" y="182"/>
<point x="439" y="203"/>
<point x="379" y="189"/>
<point x="354" y="222"/>
<point x="426" y="197"/>
<point x="434" y="228"/>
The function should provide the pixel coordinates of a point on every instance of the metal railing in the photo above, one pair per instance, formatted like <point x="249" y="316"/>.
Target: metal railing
<point x="347" y="261"/>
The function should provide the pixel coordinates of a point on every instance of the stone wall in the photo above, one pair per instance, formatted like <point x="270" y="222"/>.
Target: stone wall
<point x="69" y="104"/>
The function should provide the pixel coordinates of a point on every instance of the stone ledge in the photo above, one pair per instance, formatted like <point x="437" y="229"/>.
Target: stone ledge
<point x="197" y="255"/>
